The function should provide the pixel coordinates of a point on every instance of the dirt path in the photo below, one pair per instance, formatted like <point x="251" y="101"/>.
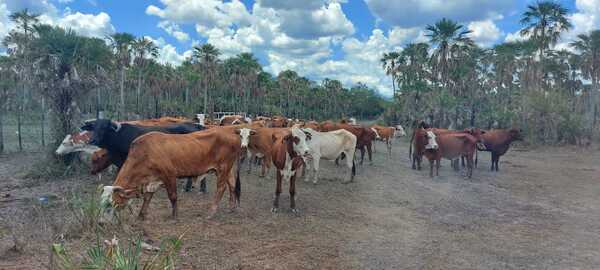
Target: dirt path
<point x="541" y="211"/>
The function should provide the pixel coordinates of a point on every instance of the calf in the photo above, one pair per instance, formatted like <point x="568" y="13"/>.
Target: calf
<point x="157" y="159"/>
<point x="497" y="141"/>
<point x="330" y="145"/>
<point x="261" y="145"/>
<point x="288" y="153"/>
<point x="416" y="155"/>
<point x="76" y="142"/>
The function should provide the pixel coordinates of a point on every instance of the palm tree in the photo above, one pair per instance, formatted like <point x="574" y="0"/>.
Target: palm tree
<point x="207" y="56"/>
<point x="142" y="48"/>
<point x="121" y="44"/>
<point x="544" y="22"/>
<point x="448" y="36"/>
<point x="388" y="62"/>
<point x="588" y="46"/>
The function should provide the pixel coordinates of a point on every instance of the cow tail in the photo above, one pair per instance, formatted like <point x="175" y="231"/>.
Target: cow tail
<point x="238" y="185"/>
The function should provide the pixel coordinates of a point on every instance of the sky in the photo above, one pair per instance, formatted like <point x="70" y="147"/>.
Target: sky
<point x="336" y="39"/>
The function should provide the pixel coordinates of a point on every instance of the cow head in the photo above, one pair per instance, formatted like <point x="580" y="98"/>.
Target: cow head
<point x="431" y="142"/>
<point x="77" y="142"/>
<point x="400" y="131"/>
<point x="116" y="196"/>
<point x="299" y="138"/>
<point x="101" y="127"/>
<point x="377" y="137"/>
<point x="245" y="134"/>
<point x="478" y="135"/>
<point x="516" y="134"/>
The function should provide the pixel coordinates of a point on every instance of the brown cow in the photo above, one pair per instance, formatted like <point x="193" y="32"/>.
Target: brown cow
<point x="450" y="146"/>
<point x="279" y="122"/>
<point x="288" y="153"/>
<point x="417" y="155"/>
<point x="497" y="141"/>
<point x="261" y="144"/>
<point x="157" y="159"/>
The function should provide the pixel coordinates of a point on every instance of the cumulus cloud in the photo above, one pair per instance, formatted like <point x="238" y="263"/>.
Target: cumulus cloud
<point x="89" y="25"/>
<point x="174" y="30"/>
<point x="5" y="23"/>
<point x="485" y="33"/>
<point x="411" y="13"/>
<point x="168" y="53"/>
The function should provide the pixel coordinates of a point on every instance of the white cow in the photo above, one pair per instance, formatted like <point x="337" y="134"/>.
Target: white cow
<point x="330" y="145"/>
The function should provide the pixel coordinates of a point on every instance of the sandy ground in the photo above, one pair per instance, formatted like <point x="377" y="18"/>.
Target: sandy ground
<point x="541" y="211"/>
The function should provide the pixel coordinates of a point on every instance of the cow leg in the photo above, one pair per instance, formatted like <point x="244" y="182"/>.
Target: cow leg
<point x="374" y="149"/>
<point x="351" y="171"/>
<point x="293" y="193"/>
<point x="431" y="163"/>
<point x="316" y="161"/>
<point x="437" y="167"/>
<point x="171" y="186"/>
<point x="370" y="153"/>
<point x="188" y="185"/>
<point x="144" y="210"/>
<point x="231" y="185"/>
<point x="497" y="163"/>
<point x="470" y="166"/>
<point x="250" y="160"/>
<point x="221" y="186"/>
<point x="277" y="193"/>
<point x="362" y="155"/>
<point x="203" y="184"/>
<point x="389" y="146"/>
<point x="494" y="158"/>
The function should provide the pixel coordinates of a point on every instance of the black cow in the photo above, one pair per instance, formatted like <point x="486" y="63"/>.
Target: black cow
<point x="116" y="138"/>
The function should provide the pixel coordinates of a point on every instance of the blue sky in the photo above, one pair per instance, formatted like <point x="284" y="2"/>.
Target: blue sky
<point x="339" y="39"/>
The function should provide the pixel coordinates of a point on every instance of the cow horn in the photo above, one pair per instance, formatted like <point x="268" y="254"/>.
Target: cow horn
<point x="117" y="188"/>
<point x="115" y="126"/>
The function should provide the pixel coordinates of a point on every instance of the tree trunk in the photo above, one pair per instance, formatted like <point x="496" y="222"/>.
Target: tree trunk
<point x="97" y="102"/>
<point x="138" y="93"/>
<point x="19" y="114"/>
<point x="205" y="98"/>
<point x="43" y="122"/>
<point x="122" y="95"/>
<point x="1" y="128"/>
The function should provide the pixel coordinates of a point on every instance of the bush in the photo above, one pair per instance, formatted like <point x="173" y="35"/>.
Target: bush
<point x="110" y="255"/>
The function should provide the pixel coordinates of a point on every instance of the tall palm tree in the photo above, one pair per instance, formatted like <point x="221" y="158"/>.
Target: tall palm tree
<point x="544" y="22"/>
<point x="207" y="56"/>
<point x="388" y="62"/>
<point x="447" y="35"/>
<point x="121" y="44"/>
<point x="588" y="46"/>
<point x="142" y="48"/>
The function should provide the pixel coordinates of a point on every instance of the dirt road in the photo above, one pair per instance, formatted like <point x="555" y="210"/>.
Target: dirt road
<point x="541" y="211"/>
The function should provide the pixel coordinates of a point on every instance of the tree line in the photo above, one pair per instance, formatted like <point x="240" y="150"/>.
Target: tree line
<point x="552" y="94"/>
<point x="51" y="69"/>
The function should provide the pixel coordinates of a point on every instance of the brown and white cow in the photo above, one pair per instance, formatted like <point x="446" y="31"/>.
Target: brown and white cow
<point x="77" y="142"/>
<point x="385" y="134"/>
<point x="261" y="145"/>
<point x="416" y="155"/>
<point x="157" y="159"/>
<point x="449" y="146"/>
<point x="288" y="153"/>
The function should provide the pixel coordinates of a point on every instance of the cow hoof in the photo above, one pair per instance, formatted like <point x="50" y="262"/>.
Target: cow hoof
<point x="295" y="211"/>
<point x="274" y="210"/>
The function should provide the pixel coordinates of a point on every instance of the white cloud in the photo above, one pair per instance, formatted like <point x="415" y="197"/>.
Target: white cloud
<point x="327" y="20"/>
<point x="5" y="23"/>
<point x="485" y="33"/>
<point x="584" y="20"/>
<point x="174" y="30"/>
<point x="168" y="53"/>
<point x="84" y="24"/>
<point x="411" y="13"/>
<point x="65" y="1"/>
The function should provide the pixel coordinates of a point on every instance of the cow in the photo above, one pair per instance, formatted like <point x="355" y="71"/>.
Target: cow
<point x="312" y="125"/>
<point x="364" y="137"/>
<point x="399" y="131"/>
<point x="416" y="155"/>
<point x="330" y="145"/>
<point x="279" y="122"/>
<point x="385" y="134"/>
<point x="497" y="141"/>
<point x="450" y="146"/>
<point x="260" y="145"/>
<point x="117" y="137"/>
<point x="158" y="159"/>
<point x="288" y="153"/>
<point x="232" y="120"/>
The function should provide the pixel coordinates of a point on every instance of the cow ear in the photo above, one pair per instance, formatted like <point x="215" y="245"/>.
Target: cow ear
<point x="237" y="131"/>
<point x="115" y="126"/>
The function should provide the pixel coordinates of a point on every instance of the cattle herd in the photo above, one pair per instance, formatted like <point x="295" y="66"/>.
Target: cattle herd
<point x="154" y="153"/>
